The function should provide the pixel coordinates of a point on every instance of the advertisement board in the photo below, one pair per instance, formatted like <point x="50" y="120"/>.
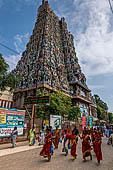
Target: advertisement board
<point x="83" y="122"/>
<point x="55" y="121"/>
<point x="9" y="118"/>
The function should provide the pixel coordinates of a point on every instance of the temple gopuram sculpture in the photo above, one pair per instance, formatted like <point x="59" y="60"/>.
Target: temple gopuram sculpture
<point x="50" y="62"/>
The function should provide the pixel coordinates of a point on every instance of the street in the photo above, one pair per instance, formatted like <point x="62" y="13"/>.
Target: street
<point x="30" y="160"/>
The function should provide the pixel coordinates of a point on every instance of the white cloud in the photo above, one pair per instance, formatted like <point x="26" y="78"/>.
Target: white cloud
<point x="94" y="45"/>
<point x="12" y="60"/>
<point x="20" y="45"/>
<point x="20" y="41"/>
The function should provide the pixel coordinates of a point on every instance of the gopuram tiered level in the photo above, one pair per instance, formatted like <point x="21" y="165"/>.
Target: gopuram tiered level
<point x="50" y="63"/>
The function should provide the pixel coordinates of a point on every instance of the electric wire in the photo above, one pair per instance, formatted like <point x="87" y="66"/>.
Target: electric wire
<point x="110" y="6"/>
<point x="9" y="48"/>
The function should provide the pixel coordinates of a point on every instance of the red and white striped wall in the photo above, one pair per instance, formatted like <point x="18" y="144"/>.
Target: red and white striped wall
<point x="6" y="104"/>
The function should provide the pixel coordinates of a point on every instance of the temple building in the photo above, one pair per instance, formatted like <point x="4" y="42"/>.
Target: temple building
<point x="6" y="99"/>
<point x="50" y="62"/>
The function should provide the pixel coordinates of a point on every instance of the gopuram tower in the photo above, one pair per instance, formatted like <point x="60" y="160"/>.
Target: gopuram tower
<point x="50" y="62"/>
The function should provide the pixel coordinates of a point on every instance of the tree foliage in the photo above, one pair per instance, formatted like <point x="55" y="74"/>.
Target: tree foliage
<point x="60" y="104"/>
<point x="100" y="112"/>
<point x="74" y="113"/>
<point x="110" y="117"/>
<point x="102" y="107"/>
<point x="7" y="79"/>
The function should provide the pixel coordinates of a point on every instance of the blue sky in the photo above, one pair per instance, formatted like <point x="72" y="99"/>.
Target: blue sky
<point x="91" y="23"/>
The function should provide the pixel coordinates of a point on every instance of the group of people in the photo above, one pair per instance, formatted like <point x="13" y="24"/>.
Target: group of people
<point x="109" y="134"/>
<point x="70" y="140"/>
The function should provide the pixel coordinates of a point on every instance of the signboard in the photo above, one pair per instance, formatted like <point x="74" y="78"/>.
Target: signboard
<point x="2" y="119"/>
<point x="91" y="122"/>
<point x="84" y="111"/>
<point x="37" y="100"/>
<point x="83" y="122"/>
<point x="9" y="118"/>
<point x="55" y="121"/>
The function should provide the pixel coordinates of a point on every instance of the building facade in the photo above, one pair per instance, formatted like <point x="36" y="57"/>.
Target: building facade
<point x="50" y="62"/>
<point x="6" y="99"/>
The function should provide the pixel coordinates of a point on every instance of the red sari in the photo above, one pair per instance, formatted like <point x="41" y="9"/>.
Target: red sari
<point x="97" y="147"/>
<point x="98" y="150"/>
<point x="46" y="148"/>
<point x="74" y="139"/>
<point x="57" y="137"/>
<point x="86" y="148"/>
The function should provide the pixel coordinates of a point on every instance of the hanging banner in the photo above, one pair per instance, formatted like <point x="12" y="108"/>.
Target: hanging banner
<point x="55" y="121"/>
<point x="9" y="118"/>
<point x="91" y="122"/>
<point x="83" y="122"/>
<point x="87" y="121"/>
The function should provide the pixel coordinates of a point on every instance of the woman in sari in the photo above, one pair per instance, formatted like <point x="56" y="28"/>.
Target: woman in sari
<point x="57" y="137"/>
<point x="97" y="147"/>
<point x="32" y="135"/>
<point x="74" y="140"/>
<point x="86" y="147"/>
<point x="46" y="150"/>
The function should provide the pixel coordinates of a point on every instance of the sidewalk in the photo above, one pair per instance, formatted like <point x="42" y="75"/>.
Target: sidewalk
<point x="6" y="149"/>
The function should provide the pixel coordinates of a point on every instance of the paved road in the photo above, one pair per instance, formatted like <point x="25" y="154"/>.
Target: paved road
<point x="30" y="160"/>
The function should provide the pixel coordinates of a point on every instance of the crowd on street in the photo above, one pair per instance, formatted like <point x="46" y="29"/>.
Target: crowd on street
<point x="91" y="139"/>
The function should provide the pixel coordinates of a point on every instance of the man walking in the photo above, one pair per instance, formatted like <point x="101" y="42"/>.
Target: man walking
<point x="14" y="135"/>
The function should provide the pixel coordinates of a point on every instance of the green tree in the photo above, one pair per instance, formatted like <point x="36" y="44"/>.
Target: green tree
<point x="42" y="109"/>
<point x="100" y="112"/>
<point x="110" y="117"/>
<point x="7" y="79"/>
<point x="60" y="104"/>
<point x="74" y="113"/>
<point x="102" y="107"/>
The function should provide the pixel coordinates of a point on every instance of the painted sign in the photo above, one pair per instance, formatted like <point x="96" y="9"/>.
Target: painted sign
<point x="84" y="111"/>
<point x="83" y="122"/>
<point x="2" y="119"/>
<point x="9" y="118"/>
<point x="55" y="121"/>
<point x="91" y="121"/>
<point x="37" y="100"/>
